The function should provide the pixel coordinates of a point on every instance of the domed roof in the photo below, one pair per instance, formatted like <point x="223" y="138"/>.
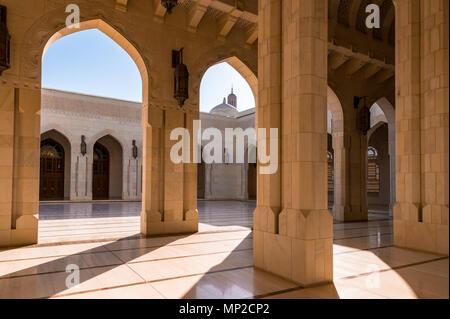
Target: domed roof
<point x="224" y="109"/>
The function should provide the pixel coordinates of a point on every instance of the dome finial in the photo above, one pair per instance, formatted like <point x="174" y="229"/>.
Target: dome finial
<point x="224" y="100"/>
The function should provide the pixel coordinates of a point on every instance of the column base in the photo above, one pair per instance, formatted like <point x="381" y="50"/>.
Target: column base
<point x="430" y="235"/>
<point x="302" y="251"/>
<point x="348" y="213"/>
<point x="26" y="232"/>
<point x="151" y="224"/>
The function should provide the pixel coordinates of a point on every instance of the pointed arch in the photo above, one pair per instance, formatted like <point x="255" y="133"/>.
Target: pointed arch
<point x="112" y="33"/>
<point x="54" y="134"/>
<point x="107" y="172"/>
<point x="335" y="107"/>
<point x="40" y="37"/>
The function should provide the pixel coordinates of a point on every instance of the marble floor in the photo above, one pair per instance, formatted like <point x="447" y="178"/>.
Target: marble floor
<point x="214" y="263"/>
<point x="74" y="222"/>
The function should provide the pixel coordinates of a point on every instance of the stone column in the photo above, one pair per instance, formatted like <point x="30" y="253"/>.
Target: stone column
<point x="341" y="205"/>
<point x="300" y="246"/>
<point x="208" y="170"/>
<point x="358" y="177"/>
<point x="190" y="212"/>
<point x="79" y="189"/>
<point x="244" y="173"/>
<point x="421" y="213"/>
<point x="350" y="156"/>
<point x="7" y="116"/>
<point x="268" y="115"/>
<point x="169" y="190"/>
<point x="19" y="168"/>
<point x="391" y="138"/>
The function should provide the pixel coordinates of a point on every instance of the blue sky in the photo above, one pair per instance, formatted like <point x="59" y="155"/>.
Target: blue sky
<point x="90" y="62"/>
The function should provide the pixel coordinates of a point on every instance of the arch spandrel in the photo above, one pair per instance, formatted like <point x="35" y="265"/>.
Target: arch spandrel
<point x="51" y="27"/>
<point x="245" y="65"/>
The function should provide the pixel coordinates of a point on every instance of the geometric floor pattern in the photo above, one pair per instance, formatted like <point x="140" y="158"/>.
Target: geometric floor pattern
<point x="214" y="263"/>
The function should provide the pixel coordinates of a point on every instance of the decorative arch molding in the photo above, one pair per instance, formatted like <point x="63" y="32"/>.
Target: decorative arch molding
<point x="388" y="109"/>
<point x="335" y="107"/>
<point x="60" y="130"/>
<point x="238" y="60"/>
<point x="373" y="129"/>
<point x="113" y="134"/>
<point x="51" y="27"/>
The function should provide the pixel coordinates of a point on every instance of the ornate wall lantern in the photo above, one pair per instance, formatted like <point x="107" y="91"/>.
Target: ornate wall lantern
<point x="135" y="150"/>
<point x="181" y="77"/>
<point x="83" y="145"/>
<point x="363" y="118"/>
<point x="5" y="40"/>
<point x="169" y="5"/>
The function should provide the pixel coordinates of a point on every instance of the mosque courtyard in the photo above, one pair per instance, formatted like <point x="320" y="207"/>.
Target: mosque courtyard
<point x="216" y="262"/>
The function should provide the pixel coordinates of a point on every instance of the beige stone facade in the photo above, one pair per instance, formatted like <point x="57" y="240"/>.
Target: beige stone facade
<point x="68" y="116"/>
<point x="297" y="55"/>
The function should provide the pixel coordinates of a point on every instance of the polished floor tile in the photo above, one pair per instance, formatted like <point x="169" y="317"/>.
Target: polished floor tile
<point x="115" y="262"/>
<point x="239" y="283"/>
<point x="138" y="291"/>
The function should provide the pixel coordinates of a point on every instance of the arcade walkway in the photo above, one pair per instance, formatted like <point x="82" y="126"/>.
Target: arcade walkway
<point x="214" y="263"/>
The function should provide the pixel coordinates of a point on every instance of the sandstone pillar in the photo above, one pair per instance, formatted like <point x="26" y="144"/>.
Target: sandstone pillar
<point x="19" y="165"/>
<point x="169" y="199"/>
<point x="350" y="167"/>
<point x="341" y="205"/>
<point x="268" y="115"/>
<point x="391" y="168"/>
<point x="297" y="243"/>
<point x="80" y="188"/>
<point x="422" y="109"/>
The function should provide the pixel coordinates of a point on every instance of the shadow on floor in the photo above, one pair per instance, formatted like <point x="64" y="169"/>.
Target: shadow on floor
<point x="243" y="282"/>
<point x="47" y="279"/>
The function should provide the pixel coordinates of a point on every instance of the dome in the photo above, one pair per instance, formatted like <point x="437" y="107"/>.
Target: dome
<point x="224" y="109"/>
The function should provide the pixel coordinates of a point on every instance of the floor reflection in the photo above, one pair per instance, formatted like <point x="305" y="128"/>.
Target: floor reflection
<point x="216" y="264"/>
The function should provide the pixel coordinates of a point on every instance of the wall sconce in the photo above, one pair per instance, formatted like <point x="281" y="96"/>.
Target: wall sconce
<point x="181" y="77"/>
<point x="83" y="145"/>
<point x="169" y="5"/>
<point x="5" y="40"/>
<point x="135" y="150"/>
<point x="363" y="118"/>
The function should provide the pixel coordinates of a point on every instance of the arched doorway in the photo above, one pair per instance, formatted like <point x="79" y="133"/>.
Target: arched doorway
<point x="100" y="172"/>
<point x="336" y="156"/>
<point x="252" y="172"/>
<point x="227" y="100"/>
<point x="107" y="168"/>
<point x="51" y="183"/>
<point x="251" y="181"/>
<point x="54" y="133"/>
<point x="110" y="169"/>
<point x="231" y="85"/>
<point x="378" y="169"/>
<point x="201" y="178"/>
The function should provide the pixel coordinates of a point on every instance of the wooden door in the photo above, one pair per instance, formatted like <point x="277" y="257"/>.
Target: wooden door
<point x="51" y="180"/>
<point x="100" y="172"/>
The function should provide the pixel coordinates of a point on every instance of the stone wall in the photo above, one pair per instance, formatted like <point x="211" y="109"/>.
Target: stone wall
<point x="73" y="115"/>
<point x="227" y="181"/>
